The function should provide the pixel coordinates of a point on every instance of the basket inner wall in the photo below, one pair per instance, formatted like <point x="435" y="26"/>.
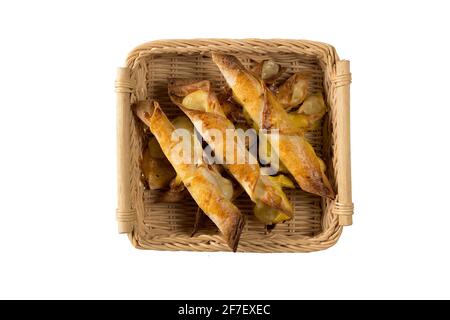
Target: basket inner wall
<point x="165" y="219"/>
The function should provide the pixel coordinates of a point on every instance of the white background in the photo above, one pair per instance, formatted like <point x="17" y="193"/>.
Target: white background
<point x="58" y="235"/>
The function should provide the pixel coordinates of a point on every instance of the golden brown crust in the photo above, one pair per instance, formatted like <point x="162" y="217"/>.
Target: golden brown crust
<point x="180" y="88"/>
<point x="247" y="174"/>
<point x="199" y="180"/>
<point x="227" y="61"/>
<point x="219" y="209"/>
<point x="158" y="172"/>
<point x="295" y="152"/>
<point x="235" y="234"/>
<point x="309" y="175"/>
<point x="268" y="70"/>
<point x="294" y="90"/>
<point x="274" y="117"/>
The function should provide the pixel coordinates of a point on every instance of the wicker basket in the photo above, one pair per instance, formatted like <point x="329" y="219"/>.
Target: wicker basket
<point x="317" y="223"/>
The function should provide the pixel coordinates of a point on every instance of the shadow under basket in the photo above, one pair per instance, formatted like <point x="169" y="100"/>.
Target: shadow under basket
<point x="317" y="222"/>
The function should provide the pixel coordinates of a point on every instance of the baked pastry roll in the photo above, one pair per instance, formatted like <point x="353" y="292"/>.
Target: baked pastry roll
<point x="198" y="101"/>
<point x="205" y="185"/>
<point x="268" y="113"/>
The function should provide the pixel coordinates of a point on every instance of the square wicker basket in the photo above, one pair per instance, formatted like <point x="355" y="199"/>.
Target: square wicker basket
<point x="317" y="223"/>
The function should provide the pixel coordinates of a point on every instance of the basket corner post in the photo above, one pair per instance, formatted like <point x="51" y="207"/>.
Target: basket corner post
<point x="125" y="213"/>
<point x="343" y="206"/>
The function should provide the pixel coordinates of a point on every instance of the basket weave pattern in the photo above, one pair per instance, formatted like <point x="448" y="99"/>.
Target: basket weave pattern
<point x="317" y="223"/>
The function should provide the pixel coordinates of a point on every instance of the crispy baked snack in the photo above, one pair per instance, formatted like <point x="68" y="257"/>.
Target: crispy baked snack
<point x="157" y="170"/>
<point x="206" y="186"/>
<point x="313" y="108"/>
<point x="268" y="70"/>
<point x="310" y="113"/>
<point x="294" y="90"/>
<point x="198" y="101"/>
<point x="268" y="113"/>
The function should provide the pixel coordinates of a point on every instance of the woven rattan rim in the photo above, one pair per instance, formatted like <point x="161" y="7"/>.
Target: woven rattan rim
<point x="132" y="84"/>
